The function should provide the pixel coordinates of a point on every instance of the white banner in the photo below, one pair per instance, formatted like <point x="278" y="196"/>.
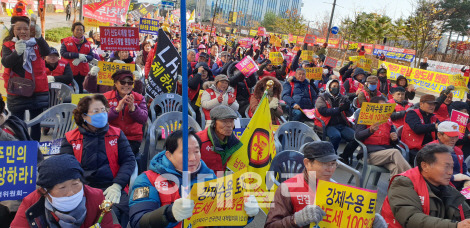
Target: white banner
<point x="443" y="67"/>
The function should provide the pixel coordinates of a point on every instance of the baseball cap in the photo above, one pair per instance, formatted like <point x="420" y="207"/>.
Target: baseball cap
<point x="54" y="52"/>
<point x="449" y="128"/>
<point x="321" y="151"/>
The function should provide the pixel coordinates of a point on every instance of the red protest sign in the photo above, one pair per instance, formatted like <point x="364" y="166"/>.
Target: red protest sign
<point x="246" y="42"/>
<point x="331" y="62"/>
<point x="119" y="38"/>
<point x="112" y="11"/>
<point x="310" y="39"/>
<point x="261" y="31"/>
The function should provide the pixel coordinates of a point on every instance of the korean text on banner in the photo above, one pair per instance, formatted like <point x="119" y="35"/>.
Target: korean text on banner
<point x="90" y="22"/>
<point x="276" y="58"/>
<point x="306" y="55"/>
<point x="221" y="40"/>
<point x="257" y="152"/>
<point x="148" y="26"/>
<point x="314" y="73"/>
<point x="466" y="192"/>
<point x="345" y="206"/>
<point x="247" y="66"/>
<point x="219" y="202"/>
<point x="50" y="147"/>
<point x="112" y="11"/>
<point x="461" y="119"/>
<point x="331" y="62"/>
<point x="18" y="163"/>
<point x="375" y="113"/>
<point x="310" y="39"/>
<point x="261" y="31"/>
<point x="395" y="70"/>
<point x="107" y="69"/>
<point x="253" y="32"/>
<point x="141" y="10"/>
<point x="165" y="67"/>
<point x="119" y="38"/>
<point x="300" y="39"/>
<point x="362" y="62"/>
<point x="246" y="42"/>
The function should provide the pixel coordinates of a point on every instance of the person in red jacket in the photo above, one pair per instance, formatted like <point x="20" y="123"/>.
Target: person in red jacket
<point x="62" y="199"/>
<point x="380" y="139"/>
<point x="77" y="51"/>
<point x="128" y="110"/>
<point x="398" y="115"/>
<point x="22" y="57"/>
<point x="58" y="70"/>
<point x="444" y="100"/>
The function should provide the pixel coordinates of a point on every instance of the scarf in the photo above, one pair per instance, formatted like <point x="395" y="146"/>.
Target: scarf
<point x="221" y="147"/>
<point x="72" y="219"/>
<point x="77" y="40"/>
<point x="29" y="55"/>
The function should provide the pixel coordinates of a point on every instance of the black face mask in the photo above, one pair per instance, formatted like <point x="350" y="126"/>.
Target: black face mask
<point x="334" y="91"/>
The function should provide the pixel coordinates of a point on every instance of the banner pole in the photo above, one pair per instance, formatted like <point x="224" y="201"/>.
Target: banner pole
<point x="184" y="74"/>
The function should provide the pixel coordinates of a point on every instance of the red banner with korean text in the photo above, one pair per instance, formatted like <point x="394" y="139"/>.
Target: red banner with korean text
<point x="332" y="43"/>
<point x="112" y="11"/>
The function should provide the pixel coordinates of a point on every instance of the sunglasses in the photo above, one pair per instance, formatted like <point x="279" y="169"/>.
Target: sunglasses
<point x="128" y="82"/>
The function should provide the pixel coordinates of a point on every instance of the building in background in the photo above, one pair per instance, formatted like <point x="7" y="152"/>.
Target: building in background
<point x="248" y="10"/>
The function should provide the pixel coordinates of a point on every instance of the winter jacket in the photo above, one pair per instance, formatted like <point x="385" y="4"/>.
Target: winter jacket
<point x="258" y="94"/>
<point x="208" y="101"/>
<point x="398" y="115"/>
<point x="61" y="72"/>
<point x="427" y="129"/>
<point x="242" y="85"/>
<point x="336" y="116"/>
<point x="148" y="211"/>
<point x="95" y="161"/>
<point x="279" y="73"/>
<point x="32" y="210"/>
<point x="408" y="95"/>
<point x="361" y="97"/>
<point x="363" y="133"/>
<point x="69" y="51"/>
<point x="302" y="94"/>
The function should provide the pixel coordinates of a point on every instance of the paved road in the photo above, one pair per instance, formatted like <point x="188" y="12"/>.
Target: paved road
<point x="52" y="20"/>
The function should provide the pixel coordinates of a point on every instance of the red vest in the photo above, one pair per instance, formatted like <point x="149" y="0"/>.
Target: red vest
<point x="442" y="113"/>
<point x="207" y="113"/>
<point x="165" y="188"/>
<point x="212" y="159"/>
<point x="366" y="94"/>
<point x="131" y="128"/>
<point x="38" y="67"/>
<point x="388" y="87"/>
<point x="398" y="108"/>
<point x="59" y="70"/>
<point x="300" y="193"/>
<point x="421" y="188"/>
<point x="410" y="138"/>
<point x="353" y="85"/>
<point x="381" y="136"/>
<point x="457" y="152"/>
<point x="70" y="45"/>
<point x="75" y="138"/>
<point x="267" y="73"/>
<point x="341" y="88"/>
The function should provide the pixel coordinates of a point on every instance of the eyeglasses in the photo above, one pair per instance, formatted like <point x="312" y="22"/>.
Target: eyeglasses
<point x="128" y="82"/>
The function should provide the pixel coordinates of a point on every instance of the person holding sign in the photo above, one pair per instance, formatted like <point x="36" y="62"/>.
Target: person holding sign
<point x="369" y="91"/>
<point x="443" y="104"/>
<point x="353" y="85"/>
<point x="398" y="115"/>
<point x="464" y="143"/>
<point x="58" y="70"/>
<point x="420" y="125"/>
<point x="217" y="93"/>
<point x="298" y="94"/>
<point x="448" y="134"/>
<point x="423" y="196"/>
<point x="379" y="139"/>
<point x="103" y="152"/>
<point x="62" y="199"/>
<point x="297" y="208"/>
<point x="267" y="69"/>
<point x="77" y="51"/>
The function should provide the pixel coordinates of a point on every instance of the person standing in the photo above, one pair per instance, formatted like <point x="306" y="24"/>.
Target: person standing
<point x="68" y="11"/>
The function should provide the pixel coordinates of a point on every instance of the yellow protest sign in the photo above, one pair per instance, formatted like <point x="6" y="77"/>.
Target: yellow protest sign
<point x="89" y="22"/>
<point x="227" y="29"/>
<point x="77" y="97"/>
<point x="276" y="41"/>
<point x="276" y="58"/>
<point x="353" y="46"/>
<point x="253" y="32"/>
<point x="219" y="202"/>
<point x="394" y="70"/>
<point x="221" y="40"/>
<point x="375" y="113"/>
<point x="314" y="73"/>
<point x="362" y="62"/>
<point x="198" y="101"/>
<point x="306" y="55"/>
<point x="107" y="69"/>
<point x="345" y="206"/>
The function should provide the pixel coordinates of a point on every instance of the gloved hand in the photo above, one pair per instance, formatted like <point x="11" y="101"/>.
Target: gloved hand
<point x="50" y="79"/>
<point x="82" y="57"/>
<point x="118" y="61"/>
<point x="94" y="71"/>
<point x="310" y="213"/>
<point x="220" y="98"/>
<point x="20" y="47"/>
<point x="137" y="75"/>
<point x="274" y="103"/>
<point x="76" y="62"/>
<point x="251" y="206"/>
<point x="379" y="221"/>
<point x="94" y="62"/>
<point x="38" y="31"/>
<point x="449" y="89"/>
<point x="182" y="209"/>
<point x="113" y="193"/>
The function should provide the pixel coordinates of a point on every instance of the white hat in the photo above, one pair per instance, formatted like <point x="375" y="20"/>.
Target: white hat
<point x="449" y="128"/>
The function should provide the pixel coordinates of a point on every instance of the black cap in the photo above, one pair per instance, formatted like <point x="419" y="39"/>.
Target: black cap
<point x="58" y="169"/>
<point x="321" y="151"/>
<point x="54" y="52"/>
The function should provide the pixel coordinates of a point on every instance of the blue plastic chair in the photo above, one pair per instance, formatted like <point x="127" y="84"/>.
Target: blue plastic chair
<point x="62" y="119"/>
<point x="292" y="135"/>
<point x="285" y="165"/>
<point x="168" y="102"/>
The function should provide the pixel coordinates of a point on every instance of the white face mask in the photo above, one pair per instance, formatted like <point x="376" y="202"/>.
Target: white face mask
<point x="325" y="71"/>
<point x="68" y="203"/>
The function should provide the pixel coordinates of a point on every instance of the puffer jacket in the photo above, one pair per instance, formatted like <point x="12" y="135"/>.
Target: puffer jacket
<point x="208" y="103"/>
<point x="301" y="94"/>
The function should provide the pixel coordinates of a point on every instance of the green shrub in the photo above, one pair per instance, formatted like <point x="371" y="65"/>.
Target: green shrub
<point x="56" y="34"/>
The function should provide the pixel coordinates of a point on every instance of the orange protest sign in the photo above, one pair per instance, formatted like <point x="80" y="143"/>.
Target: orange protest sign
<point x="314" y="73"/>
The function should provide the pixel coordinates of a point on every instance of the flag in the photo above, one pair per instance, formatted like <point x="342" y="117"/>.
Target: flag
<point x="257" y="152"/>
<point x="192" y="17"/>
<point x="172" y="20"/>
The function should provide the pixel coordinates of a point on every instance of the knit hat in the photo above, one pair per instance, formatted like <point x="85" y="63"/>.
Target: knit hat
<point x="58" y="169"/>
<point x="221" y="77"/>
<point x="222" y="112"/>
<point x="204" y="55"/>
<point x="358" y="71"/>
<point x="321" y="151"/>
<point x="372" y="79"/>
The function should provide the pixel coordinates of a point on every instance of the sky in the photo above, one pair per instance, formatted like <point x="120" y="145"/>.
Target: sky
<point x="315" y="10"/>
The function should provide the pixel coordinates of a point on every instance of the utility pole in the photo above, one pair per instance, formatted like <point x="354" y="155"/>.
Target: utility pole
<point x="331" y="21"/>
<point x="213" y="18"/>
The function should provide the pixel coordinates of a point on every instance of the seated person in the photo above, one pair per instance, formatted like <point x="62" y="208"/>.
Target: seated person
<point x="274" y="94"/>
<point x="464" y="143"/>
<point x="150" y="205"/>
<point x="448" y="134"/>
<point x="299" y="94"/>
<point x="292" y="211"/>
<point x="420" y="126"/>
<point x="196" y="80"/>
<point x="62" y="199"/>
<point x="217" y="93"/>
<point x="442" y="110"/>
<point x="384" y="84"/>
<point x="379" y="140"/>
<point x="354" y="84"/>
<point x="267" y="69"/>
<point x="369" y="91"/>
<point x="410" y="89"/>
<point x="398" y="115"/>
<point x="423" y="196"/>
<point x="218" y="140"/>
<point x="58" y="70"/>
